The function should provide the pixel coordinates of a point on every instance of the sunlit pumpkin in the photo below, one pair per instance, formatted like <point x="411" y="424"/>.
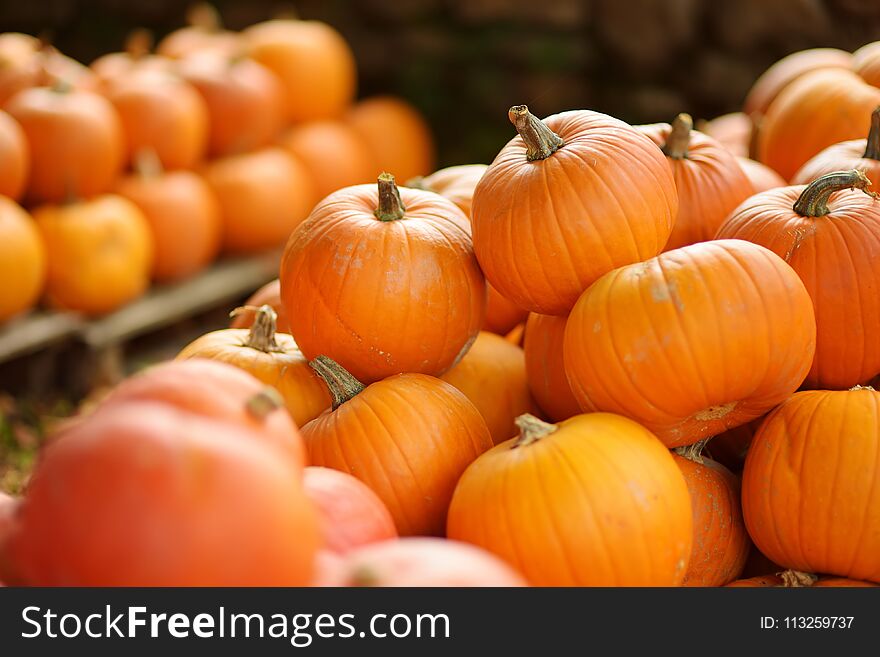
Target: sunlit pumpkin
<point x="866" y="62"/>
<point x="760" y="175"/>
<point x="26" y="61"/>
<point x="22" y="260"/>
<point x="204" y="32"/>
<point x="136" y="57"/>
<point x="733" y="131"/>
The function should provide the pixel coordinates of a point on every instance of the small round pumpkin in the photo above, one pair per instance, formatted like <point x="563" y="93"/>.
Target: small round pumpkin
<point x="349" y="513"/>
<point x="545" y="366"/>
<point x="384" y="281"/>
<point x="22" y="260"/>
<point x="709" y="181"/>
<point x="203" y="32"/>
<point x="492" y="375"/>
<point x="334" y="154"/>
<point x="75" y="142"/>
<point x="183" y="215"/>
<point x="558" y="503"/>
<point x="99" y="253"/>
<point x="733" y="131"/>
<point x="408" y="437"/>
<point x="866" y="62"/>
<point x="760" y="175"/>
<point x="147" y="495"/>
<point x="721" y="543"/>
<point x="809" y="484"/>
<point x="688" y="343"/>
<point x="306" y="55"/>
<point x="243" y="98"/>
<point x="271" y="357"/>
<point x="546" y="226"/>
<point x="263" y="196"/>
<point x="421" y="562"/>
<point x="14" y="158"/>
<point x="26" y="61"/>
<point x="136" y="57"/>
<point x="268" y="295"/>
<point x="830" y="235"/>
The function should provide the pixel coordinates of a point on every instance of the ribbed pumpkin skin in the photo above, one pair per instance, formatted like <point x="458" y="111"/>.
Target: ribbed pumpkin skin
<point x="840" y="157"/>
<point x="545" y="366"/>
<point x="760" y="175"/>
<point x="383" y="297"/>
<point x="866" y="62"/>
<point x="545" y="230"/>
<point x="409" y="438"/>
<point x="22" y="260"/>
<point x="721" y="544"/>
<point x="835" y="256"/>
<point x="693" y="342"/>
<point x="709" y="182"/>
<point x="815" y="111"/>
<point x="787" y="70"/>
<point x="492" y="375"/>
<point x="599" y="502"/>
<point x="810" y="484"/>
<point x="270" y="295"/>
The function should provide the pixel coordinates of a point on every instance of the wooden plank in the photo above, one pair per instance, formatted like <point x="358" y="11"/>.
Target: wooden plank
<point x="37" y="331"/>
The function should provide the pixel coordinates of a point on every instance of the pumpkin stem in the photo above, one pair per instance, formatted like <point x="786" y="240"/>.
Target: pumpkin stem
<point x="541" y="142"/>
<point x="797" y="578"/>
<point x="204" y="15"/>
<point x="264" y="402"/>
<point x="364" y="576"/>
<point x="390" y="208"/>
<point x="341" y="383"/>
<point x="872" y="149"/>
<point x="139" y="43"/>
<point x="679" y="139"/>
<point x="859" y="387"/>
<point x="532" y="429"/>
<point x="147" y="163"/>
<point x="813" y="201"/>
<point x="692" y="452"/>
<point x="262" y="334"/>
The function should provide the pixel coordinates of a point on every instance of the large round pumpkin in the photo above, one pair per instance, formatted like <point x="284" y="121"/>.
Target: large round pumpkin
<point x="546" y="225"/>
<point x="594" y="501"/>
<point x="809" y="488"/>
<point x="183" y="215"/>
<point x="709" y="181"/>
<point x="268" y="295"/>
<point x="692" y="342"/>
<point x="545" y="366"/>
<point x="350" y="513"/>
<point x="760" y="175"/>
<point x="271" y="357"/>
<point x="99" y="253"/>
<point x="75" y="141"/>
<point x="831" y="237"/>
<point x="815" y="111"/>
<point x="384" y="281"/>
<point x="314" y="63"/>
<point x="22" y="260"/>
<point x="263" y="196"/>
<point x="14" y="158"/>
<point x="492" y="375"/>
<point x="397" y="134"/>
<point x="147" y="495"/>
<point x="408" y="437"/>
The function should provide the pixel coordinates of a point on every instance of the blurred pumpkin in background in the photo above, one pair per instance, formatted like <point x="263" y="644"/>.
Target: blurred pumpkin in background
<point x="22" y="260"/>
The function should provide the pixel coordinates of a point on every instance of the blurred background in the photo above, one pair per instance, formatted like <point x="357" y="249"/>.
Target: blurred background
<point x="464" y="62"/>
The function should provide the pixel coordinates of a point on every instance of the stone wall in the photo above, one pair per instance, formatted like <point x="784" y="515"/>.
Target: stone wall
<point x="464" y="62"/>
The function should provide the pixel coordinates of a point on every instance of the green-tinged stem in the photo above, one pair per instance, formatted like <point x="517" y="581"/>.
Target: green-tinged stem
<point x="813" y="201"/>
<point x="342" y="385"/>
<point x="541" y="142"/>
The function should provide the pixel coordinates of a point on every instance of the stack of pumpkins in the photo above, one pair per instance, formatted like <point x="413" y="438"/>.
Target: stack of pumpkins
<point x="674" y="310"/>
<point x="145" y="166"/>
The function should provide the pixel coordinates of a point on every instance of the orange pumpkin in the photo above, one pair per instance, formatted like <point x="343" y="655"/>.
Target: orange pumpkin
<point x="203" y="33"/>
<point x="271" y="357"/>
<point x="349" y="513"/>
<point x="545" y="366"/>
<point x="26" y="61"/>
<point x="244" y="101"/>
<point x="408" y="437"/>
<point x="721" y="544"/>
<point x="22" y="260"/>
<point x="760" y="175"/>
<point x="384" y="281"/>
<point x="709" y="181"/>
<point x="334" y="154"/>
<point x="420" y="562"/>
<point x="492" y="375"/>
<point x="788" y="69"/>
<point x="75" y="142"/>
<point x="815" y="111"/>
<point x="730" y="448"/>
<point x="398" y="135"/>
<point x="809" y="484"/>
<point x="516" y="335"/>
<point x="832" y="242"/>
<point x="14" y="158"/>
<point x="306" y="55"/>
<point x="558" y="503"/>
<point x="862" y="154"/>
<point x="135" y="58"/>
<point x="100" y="253"/>
<point x="183" y="215"/>
<point x="268" y="295"/>
<point x="148" y="495"/>
<point x="546" y="226"/>
<point x="263" y="196"/>
<point x="688" y="344"/>
<point x="733" y="131"/>
<point x="866" y="62"/>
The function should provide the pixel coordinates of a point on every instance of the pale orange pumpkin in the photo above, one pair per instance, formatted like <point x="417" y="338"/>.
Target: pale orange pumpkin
<point x="268" y="295"/>
<point x="733" y="131"/>
<point x="136" y="57"/>
<point x="22" y="260"/>
<point x="204" y="32"/>
<point x="26" y="61"/>
<point x="14" y="158"/>
<point x="760" y="175"/>
<point x="866" y="62"/>
<point x="545" y="366"/>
